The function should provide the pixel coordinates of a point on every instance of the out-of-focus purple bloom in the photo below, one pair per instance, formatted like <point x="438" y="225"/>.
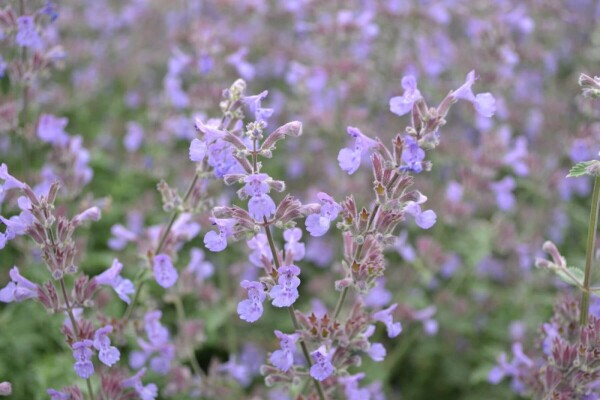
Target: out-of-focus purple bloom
<point x="285" y="293"/>
<point x="385" y="316"/>
<point x="164" y="272"/>
<point x="90" y="214"/>
<point x="484" y="103"/>
<point x="51" y="130"/>
<point x="423" y="219"/>
<point x="134" y="137"/>
<point x="148" y="392"/>
<point x="27" y="35"/>
<point x="3" y="64"/>
<point x="318" y="224"/>
<point x="237" y="370"/>
<point x="292" y="238"/>
<point x="412" y="155"/>
<point x="349" y="158"/>
<point x="243" y="67"/>
<point x="159" y="350"/>
<point x="18" y="289"/>
<point x="401" y="105"/>
<point x="430" y="325"/>
<point x="580" y="151"/>
<point x="218" y="241"/>
<point x="283" y="358"/>
<point x="50" y="10"/>
<point x="379" y="296"/>
<point x="112" y="277"/>
<point x="154" y="330"/>
<point x="251" y="309"/>
<point x="254" y="103"/>
<point x="175" y="93"/>
<point x="108" y="354"/>
<point x="82" y="353"/>
<point x="376" y="351"/>
<point x="351" y="389"/>
<point x="199" y="266"/>
<point x="261" y="206"/>
<point x="503" y="190"/>
<point x="322" y="367"/>
<point x="517" y="157"/>
<point x="198" y="150"/>
<point x="121" y="236"/>
<point x="10" y="182"/>
<point x="454" y="192"/>
<point x="56" y="395"/>
<point x="260" y="248"/>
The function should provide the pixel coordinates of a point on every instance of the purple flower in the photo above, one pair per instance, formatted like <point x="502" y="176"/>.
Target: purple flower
<point x="401" y="105"/>
<point x="283" y="359"/>
<point x="111" y="277"/>
<point x="156" y="333"/>
<point x="423" y="219"/>
<point x="412" y="155"/>
<point x="385" y="316"/>
<point x="349" y="158"/>
<point x="121" y="236"/>
<point x="351" y="389"/>
<point x="484" y="103"/>
<point x="52" y="130"/>
<point x="108" y="354"/>
<point x="292" y="238"/>
<point x="56" y="395"/>
<point x="318" y="224"/>
<point x="27" y="35"/>
<point x="376" y="350"/>
<point x="164" y="272"/>
<point x="503" y="189"/>
<point x="218" y="241"/>
<point x="148" y="392"/>
<point x="517" y="157"/>
<point x="243" y="67"/>
<point x="10" y="182"/>
<point x="134" y="137"/>
<point x="322" y="367"/>
<point x="378" y="296"/>
<point x="18" y="289"/>
<point x="82" y="353"/>
<point x="198" y="266"/>
<point x="251" y="309"/>
<point x="260" y="246"/>
<point x="254" y="103"/>
<point x="198" y="150"/>
<point x="261" y="207"/>
<point x="90" y="214"/>
<point x="256" y="185"/>
<point x="286" y="292"/>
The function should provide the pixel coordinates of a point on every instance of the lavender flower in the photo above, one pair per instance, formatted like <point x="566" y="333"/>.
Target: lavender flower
<point x="349" y="158"/>
<point x="198" y="150"/>
<point x="218" y="241"/>
<point x="18" y="289"/>
<point x="285" y="293"/>
<point x="484" y="103"/>
<point x="385" y="316"/>
<point x="401" y="105"/>
<point x="292" y="238"/>
<point x="318" y="224"/>
<point x="351" y="389"/>
<point x="283" y="358"/>
<point x="260" y="249"/>
<point x="254" y="103"/>
<point x="322" y="367"/>
<point x="51" y="130"/>
<point x="503" y="190"/>
<point x="198" y="266"/>
<point x="148" y="392"/>
<point x="412" y="155"/>
<point x="108" y="354"/>
<point x="111" y="277"/>
<point x="82" y="353"/>
<point x="27" y="35"/>
<point x="423" y="219"/>
<point x="164" y="272"/>
<point x="10" y="182"/>
<point x="251" y="309"/>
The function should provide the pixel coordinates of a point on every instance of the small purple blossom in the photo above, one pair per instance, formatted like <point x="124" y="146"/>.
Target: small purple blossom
<point x="401" y="105"/>
<point x="198" y="265"/>
<point x="51" y="130"/>
<point x="10" y="182"/>
<point x="484" y="103"/>
<point x="503" y="189"/>
<point x="218" y="241"/>
<point x="27" y="35"/>
<point x="260" y="248"/>
<point x="376" y="351"/>
<point x="82" y="353"/>
<point x="349" y="158"/>
<point x="254" y="103"/>
<point x="423" y="219"/>
<point x="198" y="150"/>
<point x="148" y="392"/>
<point x="285" y="293"/>
<point x="385" y="316"/>
<point x="412" y="155"/>
<point x="164" y="272"/>
<point x="251" y="309"/>
<point x="18" y="289"/>
<point x="283" y="358"/>
<point x="322" y="367"/>
<point x="351" y="389"/>
<point x="134" y="137"/>
<point x="292" y="238"/>
<point x="108" y="354"/>
<point x="261" y="207"/>
<point x="318" y="224"/>
<point x="112" y="277"/>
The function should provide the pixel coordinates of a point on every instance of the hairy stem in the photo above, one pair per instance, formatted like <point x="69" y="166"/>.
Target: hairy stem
<point x="291" y="310"/>
<point x="589" y="256"/>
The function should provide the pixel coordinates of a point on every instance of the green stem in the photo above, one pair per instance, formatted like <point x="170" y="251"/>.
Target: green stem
<point x="589" y="256"/>
<point x="291" y="310"/>
<point x="180" y="321"/>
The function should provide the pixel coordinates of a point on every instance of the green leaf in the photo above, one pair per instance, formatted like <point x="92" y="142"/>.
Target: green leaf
<point x="580" y="169"/>
<point x="5" y="83"/>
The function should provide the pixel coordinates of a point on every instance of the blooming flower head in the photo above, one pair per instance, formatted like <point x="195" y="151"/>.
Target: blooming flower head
<point x="283" y="358"/>
<point x="82" y="353"/>
<point x="154" y="330"/>
<point x="292" y="238"/>
<point x="254" y="103"/>
<point x="412" y="155"/>
<point x="260" y="248"/>
<point x="256" y="184"/>
<point x="349" y="158"/>
<point x="111" y="277"/>
<point x="318" y="224"/>
<point x="385" y="316"/>
<point x="401" y="105"/>
<point x="285" y="293"/>
<point x="164" y="272"/>
<point x="261" y="206"/>
<point x="108" y="354"/>
<point x="18" y="289"/>
<point x="27" y="35"/>
<point x="322" y="367"/>
<point x="251" y="309"/>
<point x="423" y="219"/>
<point x="484" y="103"/>
<point x="51" y="130"/>
<point x="218" y="241"/>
